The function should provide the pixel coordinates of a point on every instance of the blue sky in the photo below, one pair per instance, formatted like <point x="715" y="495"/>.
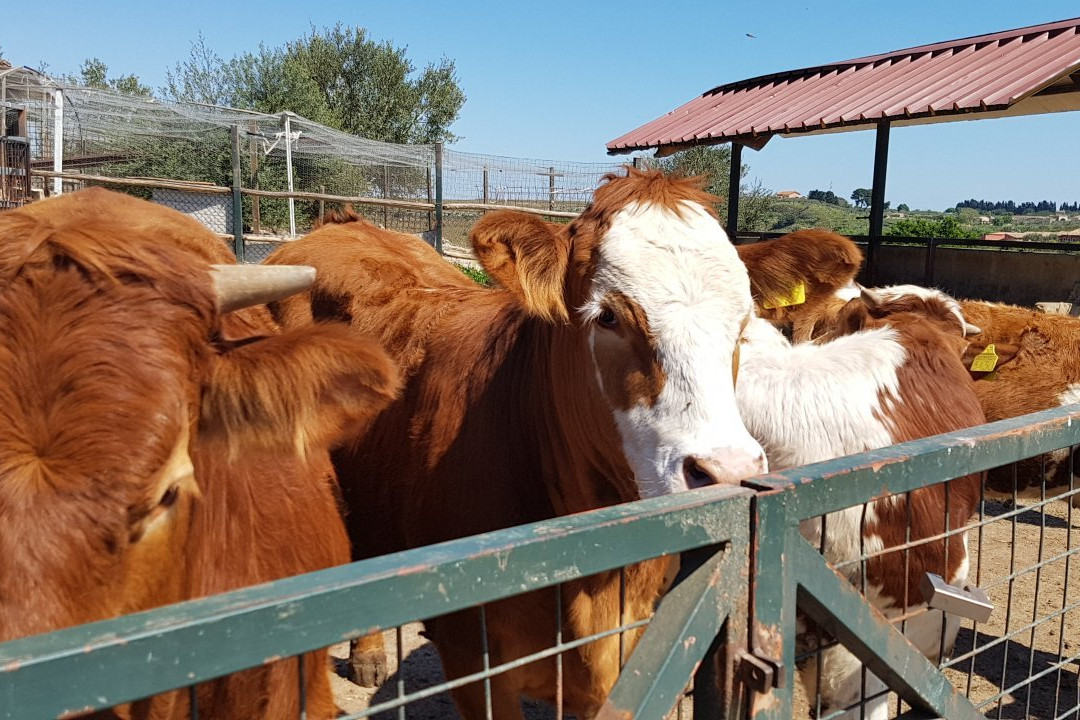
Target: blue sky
<point x="557" y="80"/>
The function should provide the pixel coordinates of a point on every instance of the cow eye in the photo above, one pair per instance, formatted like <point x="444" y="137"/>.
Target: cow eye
<point x="607" y="319"/>
<point x="170" y="496"/>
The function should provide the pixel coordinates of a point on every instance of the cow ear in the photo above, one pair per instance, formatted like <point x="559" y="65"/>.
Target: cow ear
<point x="853" y="317"/>
<point x="1006" y="353"/>
<point x="303" y="389"/>
<point x="528" y="257"/>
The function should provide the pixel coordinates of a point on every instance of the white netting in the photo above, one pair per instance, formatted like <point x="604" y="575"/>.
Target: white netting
<point x="106" y="133"/>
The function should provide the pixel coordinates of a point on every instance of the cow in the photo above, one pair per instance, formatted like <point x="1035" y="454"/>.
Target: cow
<point x="599" y="370"/>
<point x="160" y="440"/>
<point x="890" y="372"/>
<point x="795" y="276"/>
<point x="1036" y="367"/>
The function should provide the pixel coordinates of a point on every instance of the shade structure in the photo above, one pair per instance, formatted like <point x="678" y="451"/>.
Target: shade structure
<point x="1027" y="71"/>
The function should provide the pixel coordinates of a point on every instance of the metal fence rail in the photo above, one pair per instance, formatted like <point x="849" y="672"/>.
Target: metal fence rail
<point x="728" y="628"/>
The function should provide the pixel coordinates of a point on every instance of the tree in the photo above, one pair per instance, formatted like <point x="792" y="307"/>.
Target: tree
<point x="902" y="207"/>
<point x="756" y="206"/>
<point x="711" y="161"/>
<point x="944" y="227"/>
<point x="338" y="77"/>
<point x="95" y="74"/>
<point x="861" y="197"/>
<point x="203" y="77"/>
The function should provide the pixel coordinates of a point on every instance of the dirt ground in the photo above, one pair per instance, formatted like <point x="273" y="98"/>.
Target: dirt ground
<point x="1038" y="607"/>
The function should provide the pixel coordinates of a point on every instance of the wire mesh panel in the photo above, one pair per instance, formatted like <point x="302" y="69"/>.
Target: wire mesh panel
<point x="536" y="184"/>
<point x="273" y="629"/>
<point x="980" y="576"/>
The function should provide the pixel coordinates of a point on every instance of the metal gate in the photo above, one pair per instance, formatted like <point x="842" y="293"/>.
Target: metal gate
<point x="754" y="609"/>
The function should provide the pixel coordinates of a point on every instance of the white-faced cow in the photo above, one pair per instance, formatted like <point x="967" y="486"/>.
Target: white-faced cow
<point x="599" y="371"/>
<point x="154" y="445"/>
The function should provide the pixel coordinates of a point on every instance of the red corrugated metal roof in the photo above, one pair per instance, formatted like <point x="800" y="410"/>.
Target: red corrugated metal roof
<point x="1020" y="71"/>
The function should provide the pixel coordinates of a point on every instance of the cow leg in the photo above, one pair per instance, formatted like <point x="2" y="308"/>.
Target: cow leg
<point x="842" y="685"/>
<point x="367" y="660"/>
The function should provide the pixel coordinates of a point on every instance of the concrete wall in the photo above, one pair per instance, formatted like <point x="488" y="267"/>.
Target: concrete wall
<point x="1022" y="278"/>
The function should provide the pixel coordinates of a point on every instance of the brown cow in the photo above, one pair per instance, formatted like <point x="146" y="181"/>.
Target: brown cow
<point x="898" y="375"/>
<point x="154" y="448"/>
<point x="600" y="371"/>
<point x="1044" y="372"/>
<point x="793" y="277"/>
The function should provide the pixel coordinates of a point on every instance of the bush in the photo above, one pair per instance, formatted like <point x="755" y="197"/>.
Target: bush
<point x="476" y="274"/>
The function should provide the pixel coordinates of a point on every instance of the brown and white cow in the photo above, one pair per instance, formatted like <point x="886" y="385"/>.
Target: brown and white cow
<point x="1038" y="367"/>
<point x="155" y="447"/>
<point x="898" y="376"/>
<point x="794" y="277"/>
<point x="599" y="371"/>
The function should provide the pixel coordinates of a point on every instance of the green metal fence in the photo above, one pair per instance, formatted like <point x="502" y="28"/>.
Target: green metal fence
<point x="727" y="629"/>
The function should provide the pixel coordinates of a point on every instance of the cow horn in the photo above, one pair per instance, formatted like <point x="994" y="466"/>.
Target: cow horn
<point x="240" y="286"/>
<point x="970" y="329"/>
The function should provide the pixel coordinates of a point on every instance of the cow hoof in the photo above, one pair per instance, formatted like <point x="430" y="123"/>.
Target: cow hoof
<point x="367" y="668"/>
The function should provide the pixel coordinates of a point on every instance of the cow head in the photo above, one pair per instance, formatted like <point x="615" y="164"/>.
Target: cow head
<point x="117" y="382"/>
<point x="654" y="292"/>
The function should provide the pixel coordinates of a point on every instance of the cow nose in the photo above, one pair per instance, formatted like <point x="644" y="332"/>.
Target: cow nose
<point x="723" y="469"/>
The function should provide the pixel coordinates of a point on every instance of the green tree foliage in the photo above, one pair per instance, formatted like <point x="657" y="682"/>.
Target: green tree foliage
<point x="711" y="161"/>
<point x="861" y="197"/>
<point x="757" y="204"/>
<point x="95" y="73"/>
<point x="828" y="196"/>
<point x="942" y="227"/>
<point x="902" y="207"/>
<point x="338" y="77"/>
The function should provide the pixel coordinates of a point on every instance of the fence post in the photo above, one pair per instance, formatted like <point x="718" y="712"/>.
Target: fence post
<point x="486" y="191"/>
<point x="288" y="173"/>
<point x="58" y="141"/>
<point x="551" y="188"/>
<point x="439" y="197"/>
<point x="386" y="194"/>
<point x="237" y="198"/>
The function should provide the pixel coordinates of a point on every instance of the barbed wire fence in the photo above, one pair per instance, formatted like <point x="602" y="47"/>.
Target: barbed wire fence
<point x="283" y="172"/>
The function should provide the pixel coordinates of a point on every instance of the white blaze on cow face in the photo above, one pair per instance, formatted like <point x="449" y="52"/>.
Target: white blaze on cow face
<point x="668" y="302"/>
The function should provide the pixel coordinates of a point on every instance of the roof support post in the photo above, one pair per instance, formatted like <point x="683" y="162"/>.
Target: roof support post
<point x="734" y="189"/>
<point x="877" y="194"/>
<point x="877" y="197"/>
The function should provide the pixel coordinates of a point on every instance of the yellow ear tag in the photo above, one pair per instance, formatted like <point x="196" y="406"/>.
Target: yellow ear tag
<point x="797" y="296"/>
<point x="985" y="361"/>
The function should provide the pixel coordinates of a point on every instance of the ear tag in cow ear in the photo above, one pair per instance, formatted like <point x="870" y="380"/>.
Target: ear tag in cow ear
<point x="796" y="296"/>
<point x="985" y="361"/>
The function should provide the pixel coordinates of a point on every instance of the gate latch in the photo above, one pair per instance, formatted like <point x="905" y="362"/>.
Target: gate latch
<point x="972" y="603"/>
<point x="760" y="673"/>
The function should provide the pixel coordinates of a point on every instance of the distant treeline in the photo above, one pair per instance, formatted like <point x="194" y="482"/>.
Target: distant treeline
<point x="1024" y="208"/>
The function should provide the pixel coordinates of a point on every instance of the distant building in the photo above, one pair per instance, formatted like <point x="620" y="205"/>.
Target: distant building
<point x="1003" y="236"/>
<point x="789" y="194"/>
<point x="1061" y="217"/>
<point x="1069" y="236"/>
<point x="983" y="219"/>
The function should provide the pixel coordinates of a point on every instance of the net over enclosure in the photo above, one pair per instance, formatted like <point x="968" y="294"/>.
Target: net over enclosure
<point x="185" y="155"/>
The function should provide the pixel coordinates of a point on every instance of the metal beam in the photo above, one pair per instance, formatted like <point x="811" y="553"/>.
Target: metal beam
<point x="734" y="188"/>
<point x="102" y="664"/>
<point x="841" y="611"/>
<point x="679" y="635"/>
<point x="877" y="193"/>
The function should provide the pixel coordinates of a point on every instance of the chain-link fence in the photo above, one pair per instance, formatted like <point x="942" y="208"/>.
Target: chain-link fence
<point x="285" y="170"/>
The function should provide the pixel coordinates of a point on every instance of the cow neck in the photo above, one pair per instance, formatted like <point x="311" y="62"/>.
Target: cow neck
<point x="589" y="470"/>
